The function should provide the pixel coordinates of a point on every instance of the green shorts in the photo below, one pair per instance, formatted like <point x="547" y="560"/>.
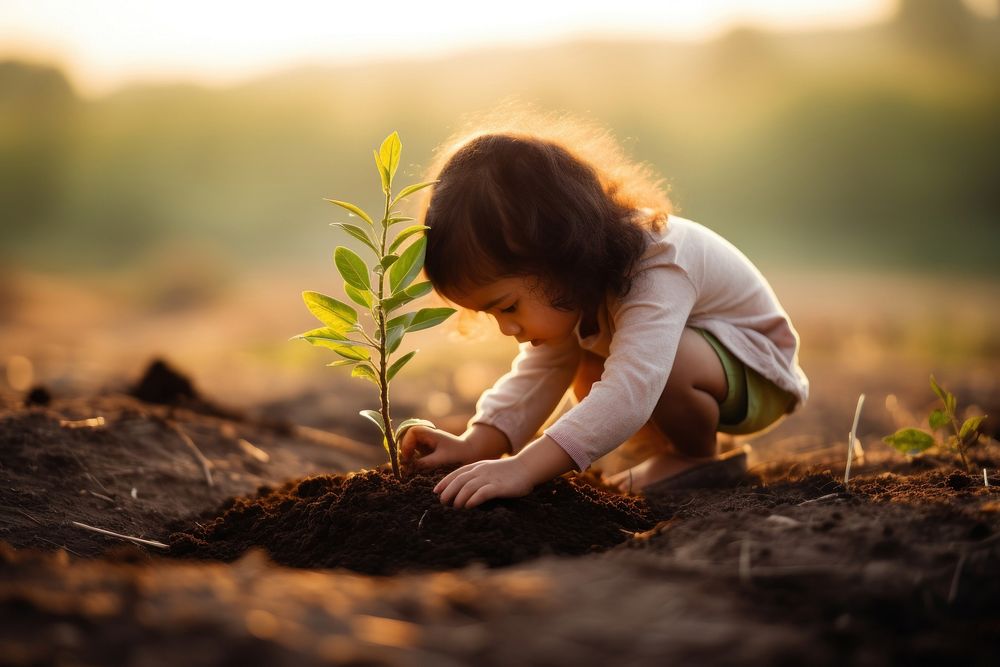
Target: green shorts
<point x="753" y="402"/>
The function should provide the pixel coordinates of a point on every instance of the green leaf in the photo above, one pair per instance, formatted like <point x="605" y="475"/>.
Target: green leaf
<point x="353" y="352"/>
<point x="395" y="301"/>
<point x="342" y="362"/>
<point x="910" y="440"/>
<point x="949" y="402"/>
<point x="323" y="337"/>
<point x="402" y="321"/>
<point x="389" y="155"/>
<point x="417" y="290"/>
<point x="374" y="417"/>
<point x="353" y="209"/>
<point x="403" y="297"/>
<point x="398" y="364"/>
<point x="937" y="389"/>
<point x="970" y="425"/>
<point x="402" y="273"/>
<point x="388" y="261"/>
<point x="362" y="297"/>
<point x="365" y="371"/>
<point x="937" y="419"/>
<point x="357" y="233"/>
<point x="409" y="190"/>
<point x="425" y="318"/>
<point x="382" y="171"/>
<point x="397" y="219"/>
<point x="393" y="337"/>
<point x="405" y="234"/>
<point x="331" y="312"/>
<point x="352" y="268"/>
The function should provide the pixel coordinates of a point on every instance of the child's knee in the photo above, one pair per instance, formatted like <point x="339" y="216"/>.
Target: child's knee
<point x="697" y="366"/>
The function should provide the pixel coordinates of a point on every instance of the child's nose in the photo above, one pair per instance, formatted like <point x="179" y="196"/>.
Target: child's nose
<point x="509" y="328"/>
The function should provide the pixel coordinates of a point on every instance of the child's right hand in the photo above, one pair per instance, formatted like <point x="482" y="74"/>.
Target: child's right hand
<point x="430" y="447"/>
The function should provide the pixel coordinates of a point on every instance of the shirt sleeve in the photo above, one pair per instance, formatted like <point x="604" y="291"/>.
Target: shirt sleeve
<point x="520" y="401"/>
<point x="648" y="325"/>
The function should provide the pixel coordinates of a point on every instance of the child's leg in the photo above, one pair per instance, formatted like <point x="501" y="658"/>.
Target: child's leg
<point x="688" y="410"/>
<point x="686" y="416"/>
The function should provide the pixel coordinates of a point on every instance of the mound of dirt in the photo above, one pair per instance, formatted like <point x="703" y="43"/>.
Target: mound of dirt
<point x="371" y="523"/>
<point x="163" y="384"/>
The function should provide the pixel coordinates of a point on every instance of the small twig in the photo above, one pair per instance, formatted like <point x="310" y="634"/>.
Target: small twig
<point x="87" y="472"/>
<point x="93" y="422"/>
<point x="137" y="540"/>
<point x="986" y="480"/>
<point x="850" y="439"/>
<point x="29" y="516"/>
<point x="206" y="465"/>
<point x="102" y="496"/>
<point x="61" y="546"/>
<point x="420" y="524"/>
<point x="953" y="591"/>
<point x="816" y="500"/>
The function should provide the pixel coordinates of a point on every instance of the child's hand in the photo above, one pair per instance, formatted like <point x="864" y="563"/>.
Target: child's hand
<point x="478" y="482"/>
<point x="430" y="447"/>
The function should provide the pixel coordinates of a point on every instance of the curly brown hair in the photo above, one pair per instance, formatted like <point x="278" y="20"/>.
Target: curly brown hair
<point x="552" y="198"/>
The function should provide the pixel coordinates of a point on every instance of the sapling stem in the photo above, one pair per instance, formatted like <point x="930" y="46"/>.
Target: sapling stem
<point x="369" y="351"/>
<point x="851" y="438"/>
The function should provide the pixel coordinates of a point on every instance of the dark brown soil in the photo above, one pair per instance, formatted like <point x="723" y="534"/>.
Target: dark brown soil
<point x="373" y="524"/>
<point x="897" y="567"/>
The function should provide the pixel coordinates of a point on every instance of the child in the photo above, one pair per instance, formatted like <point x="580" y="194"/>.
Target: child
<point x="654" y="320"/>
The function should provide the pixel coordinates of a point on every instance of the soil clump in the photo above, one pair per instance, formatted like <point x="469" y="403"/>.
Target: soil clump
<point x="373" y="524"/>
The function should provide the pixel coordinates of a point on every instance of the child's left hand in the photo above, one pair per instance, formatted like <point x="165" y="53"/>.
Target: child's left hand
<point x="478" y="482"/>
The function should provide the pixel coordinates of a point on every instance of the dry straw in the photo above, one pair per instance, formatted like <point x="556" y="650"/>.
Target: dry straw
<point x="851" y="439"/>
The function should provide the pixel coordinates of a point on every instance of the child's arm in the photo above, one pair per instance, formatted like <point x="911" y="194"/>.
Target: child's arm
<point x="433" y="447"/>
<point x="519" y="402"/>
<point x="648" y="327"/>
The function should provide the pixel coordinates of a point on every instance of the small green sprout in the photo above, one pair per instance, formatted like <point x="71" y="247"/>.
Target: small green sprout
<point x="912" y="441"/>
<point x="368" y="351"/>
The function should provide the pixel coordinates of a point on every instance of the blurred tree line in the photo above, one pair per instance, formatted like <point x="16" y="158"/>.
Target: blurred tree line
<point x="874" y="146"/>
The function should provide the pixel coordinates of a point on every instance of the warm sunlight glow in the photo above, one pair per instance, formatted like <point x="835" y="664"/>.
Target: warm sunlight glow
<point x="105" y="42"/>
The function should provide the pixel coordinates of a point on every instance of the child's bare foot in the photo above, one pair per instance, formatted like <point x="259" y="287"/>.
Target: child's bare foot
<point x="652" y="470"/>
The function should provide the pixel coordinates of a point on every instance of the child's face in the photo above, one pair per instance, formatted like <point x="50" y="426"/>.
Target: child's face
<point x="521" y="310"/>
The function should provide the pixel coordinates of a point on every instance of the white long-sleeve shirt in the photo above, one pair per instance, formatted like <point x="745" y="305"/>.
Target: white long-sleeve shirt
<point x="688" y="276"/>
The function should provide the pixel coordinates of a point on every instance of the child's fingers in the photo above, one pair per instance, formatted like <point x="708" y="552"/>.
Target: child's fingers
<point x="417" y="440"/>
<point x="452" y="476"/>
<point x="469" y="488"/>
<point x="484" y="493"/>
<point x="452" y="485"/>
<point x="431" y="460"/>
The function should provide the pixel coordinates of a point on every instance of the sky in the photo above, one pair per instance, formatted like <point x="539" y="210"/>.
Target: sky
<point x="104" y="43"/>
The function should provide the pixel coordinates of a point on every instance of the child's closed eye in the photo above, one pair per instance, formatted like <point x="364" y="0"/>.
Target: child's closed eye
<point x="510" y="309"/>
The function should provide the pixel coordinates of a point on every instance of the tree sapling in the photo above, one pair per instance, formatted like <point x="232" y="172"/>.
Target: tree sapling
<point x="381" y="289"/>
<point x="911" y="441"/>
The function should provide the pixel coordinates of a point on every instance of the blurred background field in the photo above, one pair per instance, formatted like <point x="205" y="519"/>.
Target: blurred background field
<point x="857" y="166"/>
